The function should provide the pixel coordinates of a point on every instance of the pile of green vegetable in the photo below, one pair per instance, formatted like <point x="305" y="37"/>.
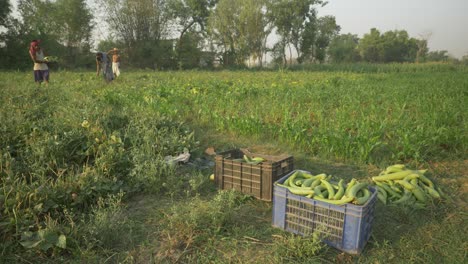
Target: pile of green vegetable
<point x="51" y="59"/>
<point x="319" y="187"/>
<point x="399" y="185"/>
<point x="249" y="160"/>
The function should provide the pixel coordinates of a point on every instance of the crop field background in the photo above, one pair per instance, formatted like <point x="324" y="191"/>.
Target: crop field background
<point x="83" y="177"/>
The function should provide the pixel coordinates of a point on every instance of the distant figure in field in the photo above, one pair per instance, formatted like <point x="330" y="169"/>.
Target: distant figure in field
<point x="103" y="65"/>
<point x="41" y="70"/>
<point x="115" y="61"/>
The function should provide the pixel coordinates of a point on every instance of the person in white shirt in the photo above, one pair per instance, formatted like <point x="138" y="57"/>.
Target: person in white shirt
<point x="41" y="70"/>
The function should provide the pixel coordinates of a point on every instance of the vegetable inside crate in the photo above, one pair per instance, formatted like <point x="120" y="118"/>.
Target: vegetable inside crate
<point x="346" y="227"/>
<point x="233" y="171"/>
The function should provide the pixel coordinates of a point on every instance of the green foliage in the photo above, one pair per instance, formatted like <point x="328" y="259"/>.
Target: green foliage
<point x="157" y="137"/>
<point x="63" y="26"/>
<point x="327" y="29"/>
<point x="326" y="120"/>
<point x="224" y="27"/>
<point x="60" y="154"/>
<point x="296" y="249"/>
<point x="192" y="17"/>
<point x="188" y="227"/>
<point x="240" y="28"/>
<point x="438" y="55"/>
<point x="74" y="152"/>
<point x="37" y="17"/>
<point x="295" y="23"/>
<point x="370" y="46"/>
<point x="343" y="49"/>
<point x="5" y="9"/>
<point x="398" y="47"/>
<point x="391" y="46"/>
<point x="188" y="51"/>
<point x="107" y="227"/>
<point x="107" y="44"/>
<point x="74" y="19"/>
<point x="47" y="239"/>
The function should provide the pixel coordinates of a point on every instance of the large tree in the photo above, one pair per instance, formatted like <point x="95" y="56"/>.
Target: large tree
<point x="190" y="17"/>
<point x="74" y="28"/>
<point x="422" y="46"/>
<point x="137" y="20"/>
<point x="68" y="21"/>
<point x="140" y="25"/>
<point x="398" y="46"/>
<point x="37" y="16"/>
<point x="371" y="47"/>
<point x="391" y="46"/>
<point x="64" y="25"/>
<point x="292" y="19"/>
<point x="239" y="29"/>
<point x="256" y="28"/>
<point x="75" y="22"/>
<point x="327" y="29"/>
<point x="224" y="31"/>
<point x="343" y="48"/>
<point x="188" y="14"/>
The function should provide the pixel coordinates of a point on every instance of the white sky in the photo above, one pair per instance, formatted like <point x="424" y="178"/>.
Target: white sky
<point x="445" y="21"/>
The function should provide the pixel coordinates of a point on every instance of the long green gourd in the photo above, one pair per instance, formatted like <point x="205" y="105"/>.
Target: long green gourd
<point x="330" y="189"/>
<point x="362" y="200"/>
<point x="393" y="176"/>
<point x="342" y="201"/>
<point x="354" y="190"/>
<point x="340" y="192"/>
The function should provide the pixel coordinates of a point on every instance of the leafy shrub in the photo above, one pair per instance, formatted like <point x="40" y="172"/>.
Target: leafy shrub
<point x="293" y="248"/>
<point x="107" y="226"/>
<point x="58" y="161"/>
<point x="188" y="226"/>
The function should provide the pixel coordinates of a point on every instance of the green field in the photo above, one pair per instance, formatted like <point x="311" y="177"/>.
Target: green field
<point x="83" y="177"/>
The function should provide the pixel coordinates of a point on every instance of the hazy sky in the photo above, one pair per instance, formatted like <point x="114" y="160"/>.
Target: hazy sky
<point x="446" y="22"/>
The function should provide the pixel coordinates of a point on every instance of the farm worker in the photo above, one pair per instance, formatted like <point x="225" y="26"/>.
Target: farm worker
<point x="115" y="61"/>
<point x="103" y="65"/>
<point x="41" y="70"/>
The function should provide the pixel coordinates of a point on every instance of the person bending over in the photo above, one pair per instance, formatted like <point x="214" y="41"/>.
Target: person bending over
<point x="104" y="65"/>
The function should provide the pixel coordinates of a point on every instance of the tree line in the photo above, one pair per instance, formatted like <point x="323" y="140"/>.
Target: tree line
<point x="184" y="34"/>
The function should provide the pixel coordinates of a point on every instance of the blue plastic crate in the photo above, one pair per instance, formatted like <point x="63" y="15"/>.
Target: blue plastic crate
<point x="346" y="227"/>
